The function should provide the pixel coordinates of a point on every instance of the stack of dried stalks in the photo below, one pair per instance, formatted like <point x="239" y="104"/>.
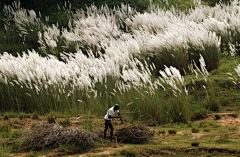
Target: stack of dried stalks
<point x="51" y="135"/>
<point x="135" y="134"/>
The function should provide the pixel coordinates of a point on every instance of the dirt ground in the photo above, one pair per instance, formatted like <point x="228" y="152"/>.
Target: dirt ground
<point x="227" y="119"/>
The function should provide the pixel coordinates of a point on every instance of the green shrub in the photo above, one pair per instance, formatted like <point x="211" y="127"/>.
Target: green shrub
<point x="199" y="114"/>
<point x="23" y="115"/>
<point x="172" y="131"/>
<point x="88" y="123"/>
<point x="161" y="132"/>
<point x="8" y="115"/>
<point x="35" y="115"/>
<point x="206" y="129"/>
<point x="16" y="133"/>
<point x="214" y="105"/>
<point x="51" y="117"/>
<point x="65" y="122"/>
<point x="5" y="127"/>
<point x="129" y="152"/>
<point x="195" y="130"/>
<point x="208" y="124"/>
<point x="223" y="138"/>
<point x="195" y="143"/>
<point x="232" y="128"/>
<point x="217" y="116"/>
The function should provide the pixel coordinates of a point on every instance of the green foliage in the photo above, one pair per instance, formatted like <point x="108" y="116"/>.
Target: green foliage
<point x="180" y="109"/>
<point x="51" y="117"/>
<point x="214" y="2"/>
<point x="5" y="127"/>
<point x="22" y="115"/>
<point x="180" y="4"/>
<point x="207" y="124"/>
<point x="8" y="115"/>
<point x="199" y="114"/>
<point x="161" y="132"/>
<point x="195" y="130"/>
<point x="217" y="116"/>
<point x="34" y="115"/>
<point x="172" y="131"/>
<point x="223" y="138"/>
<point x="88" y="124"/>
<point x="65" y="122"/>
<point x="129" y="152"/>
<point x="16" y="134"/>
<point x="195" y="143"/>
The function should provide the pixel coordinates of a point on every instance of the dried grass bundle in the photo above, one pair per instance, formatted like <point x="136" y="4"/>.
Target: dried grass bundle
<point x="51" y="135"/>
<point x="135" y="134"/>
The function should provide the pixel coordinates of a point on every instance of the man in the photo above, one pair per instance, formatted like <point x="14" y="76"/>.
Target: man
<point x="108" y="119"/>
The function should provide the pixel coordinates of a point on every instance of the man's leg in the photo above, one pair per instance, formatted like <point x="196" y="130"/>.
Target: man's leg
<point x="111" y="132"/>
<point x="105" y="129"/>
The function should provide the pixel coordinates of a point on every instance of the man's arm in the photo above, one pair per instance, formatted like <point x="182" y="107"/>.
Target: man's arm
<point x="109" y="116"/>
<point x="120" y="117"/>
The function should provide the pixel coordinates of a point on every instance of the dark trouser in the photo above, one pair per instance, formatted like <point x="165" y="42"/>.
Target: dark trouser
<point x="108" y="123"/>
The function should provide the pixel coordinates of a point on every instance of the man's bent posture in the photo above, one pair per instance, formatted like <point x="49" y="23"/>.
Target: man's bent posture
<point x="108" y="119"/>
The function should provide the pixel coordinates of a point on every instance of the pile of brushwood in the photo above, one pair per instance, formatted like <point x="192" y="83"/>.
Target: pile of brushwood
<point x="47" y="136"/>
<point x="135" y="134"/>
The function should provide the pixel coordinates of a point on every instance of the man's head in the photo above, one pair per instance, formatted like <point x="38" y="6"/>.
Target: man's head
<point x="116" y="107"/>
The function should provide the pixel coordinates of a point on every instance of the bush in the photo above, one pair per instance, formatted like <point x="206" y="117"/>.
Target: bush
<point x="8" y="115"/>
<point x="214" y="105"/>
<point x="199" y="114"/>
<point x="5" y="127"/>
<point x="35" y="115"/>
<point x="217" y="116"/>
<point x="196" y="143"/>
<point x="52" y="117"/>
<point x="195" y="130"/>
<point x="172" y="131"/>
<point x="129" y="152"/>
<point x="23" y="115"/>
<point x="161" y="132"/>
<point x="223" y="138"/>
<point x="65" y="122"/>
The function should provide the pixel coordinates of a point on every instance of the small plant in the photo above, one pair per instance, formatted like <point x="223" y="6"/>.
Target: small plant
<point x="207" y="124"/>
<point x="65" y="122"/>
<point x="35" y="115"/>
<point x="52" y="117"/>
<point x="32" y="154"/>
<point x="217" y="116"/>
<point x="23" y="115"/>
<point x="172" y="131"/>
<point x="8" y="115"/>
<point x="88" y="123"/>
<point x="16" y="133"/>
<point x="232" y="128"/>
<point x="5" y="127"/>
<point x="161" y="132"/>
<point x="195" y="130"/>
<point x="34" y="125"/>
<point x="199" y="114"/>
<point x="214" y="105"/>
<point x="206" y="130"/>
<point x="129" y="152"/>
<point x="195" y="143"/>
<point x="223" y="138"/>
<point x="189" y="124"/>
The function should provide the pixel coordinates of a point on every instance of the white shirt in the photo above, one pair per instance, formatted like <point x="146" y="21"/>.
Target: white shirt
<point x="111" y="113"/>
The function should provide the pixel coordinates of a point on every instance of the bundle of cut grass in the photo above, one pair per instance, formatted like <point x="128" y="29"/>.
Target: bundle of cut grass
<point x="47" y="136"/>
<point x="135" y="134"/>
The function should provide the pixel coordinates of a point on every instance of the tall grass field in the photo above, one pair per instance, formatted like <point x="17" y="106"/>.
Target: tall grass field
<point x="92" y="59"/>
